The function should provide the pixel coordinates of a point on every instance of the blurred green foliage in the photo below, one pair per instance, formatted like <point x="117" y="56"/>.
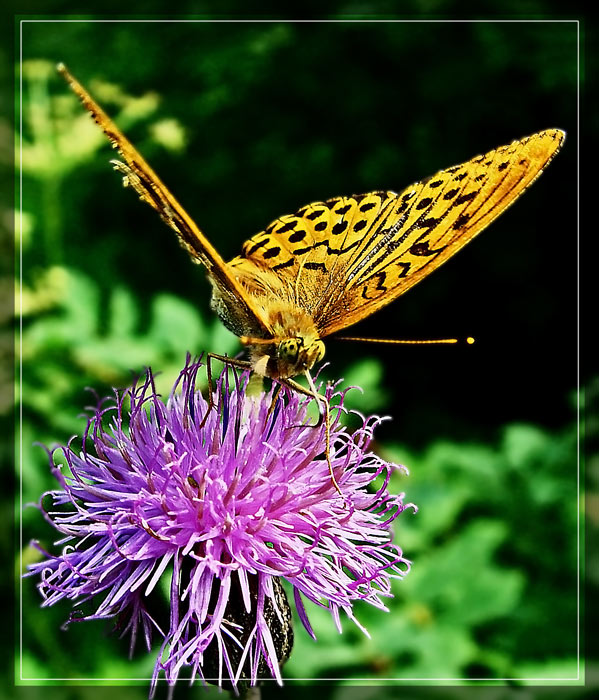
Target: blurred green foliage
<point x="246" y="121"/>
<point x="482" y="582"/>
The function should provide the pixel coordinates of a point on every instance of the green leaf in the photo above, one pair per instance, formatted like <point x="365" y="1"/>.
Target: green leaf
<point x="122" y="313"/>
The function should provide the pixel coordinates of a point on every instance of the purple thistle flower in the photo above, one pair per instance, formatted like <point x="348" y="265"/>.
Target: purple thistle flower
<point x="225" y="510"/>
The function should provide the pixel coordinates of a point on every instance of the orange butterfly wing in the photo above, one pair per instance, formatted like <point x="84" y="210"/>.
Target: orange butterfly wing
<point x="343" y="259"/>
<point x="230" y="299"/>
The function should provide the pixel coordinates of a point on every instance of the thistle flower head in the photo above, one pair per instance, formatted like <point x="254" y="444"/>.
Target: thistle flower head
<point x="226" y="510"/>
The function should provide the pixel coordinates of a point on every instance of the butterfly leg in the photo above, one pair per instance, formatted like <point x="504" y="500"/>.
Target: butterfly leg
<point x="327" y="426"/>
<point x="242" y="364"/>
<point x="324" y="415"/>
<point x="275" y="398"/>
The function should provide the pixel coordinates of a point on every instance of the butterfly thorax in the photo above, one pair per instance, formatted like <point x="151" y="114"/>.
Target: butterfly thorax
<point x="283" y="341"/>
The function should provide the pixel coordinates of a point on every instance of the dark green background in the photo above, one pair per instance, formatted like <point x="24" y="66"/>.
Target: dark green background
<point x="277" y="115"/>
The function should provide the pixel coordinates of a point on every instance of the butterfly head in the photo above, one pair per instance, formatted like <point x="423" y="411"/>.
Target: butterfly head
<point x="285" y="357"/>
<point x="299" y="354"/>
<point x="292" y="346"/>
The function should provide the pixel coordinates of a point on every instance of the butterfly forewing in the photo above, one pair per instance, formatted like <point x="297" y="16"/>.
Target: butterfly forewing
<point x="231" y="301"/>
<point x="343" y="259"/>
<point x="433" y="220"/>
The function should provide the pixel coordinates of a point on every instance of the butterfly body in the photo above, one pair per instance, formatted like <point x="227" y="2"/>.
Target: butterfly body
<point x="292" y="345"/>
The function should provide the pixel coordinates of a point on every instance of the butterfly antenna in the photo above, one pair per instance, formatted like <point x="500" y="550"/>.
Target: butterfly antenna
<point x="440" y="341"/>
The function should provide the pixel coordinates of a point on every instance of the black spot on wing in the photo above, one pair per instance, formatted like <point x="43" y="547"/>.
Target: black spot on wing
<point x="283" y="265"/>
<point x="271" y="253"/>
<point x="288" y="226"/>
<point x="339" y="227"/>
<point x="450" y="194"/>
<point x="422" y="249"/>
<point x="297" y="236"/>
<point x="429" y="223"/>
<point x="405" y="268"/>
<point x="380" y="278"/>
<point x="303" y="251"/>
<point x="256" y="247"/>
<point x="461" y="221"/>
<point x="466" y="197"/>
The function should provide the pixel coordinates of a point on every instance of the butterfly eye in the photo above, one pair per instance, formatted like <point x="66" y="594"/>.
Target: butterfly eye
<point x="289" y="349"/>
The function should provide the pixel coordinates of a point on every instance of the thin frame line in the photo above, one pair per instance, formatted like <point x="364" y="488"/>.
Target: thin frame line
<point x="299" y="21"/>
<point x="304" y="21"/>
<point x="21" y="346"/>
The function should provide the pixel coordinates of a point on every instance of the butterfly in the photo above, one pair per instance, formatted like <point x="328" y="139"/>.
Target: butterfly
<point x="331" y="264"/>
